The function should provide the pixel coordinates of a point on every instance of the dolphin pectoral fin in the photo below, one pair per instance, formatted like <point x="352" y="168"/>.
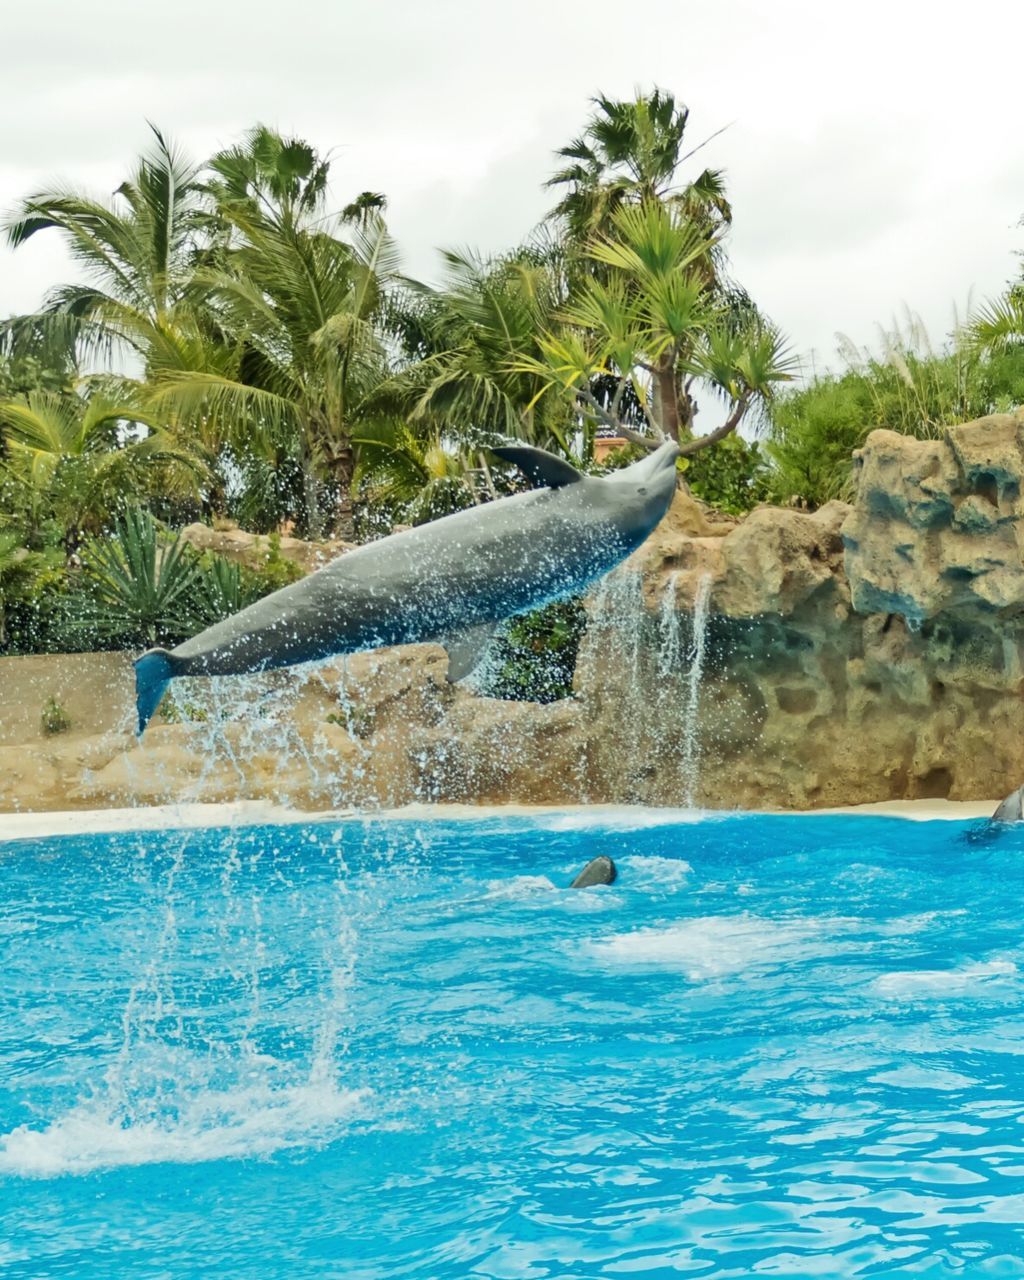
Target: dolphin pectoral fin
<point x="466" y="650"/>
<point x="539" y="466"/>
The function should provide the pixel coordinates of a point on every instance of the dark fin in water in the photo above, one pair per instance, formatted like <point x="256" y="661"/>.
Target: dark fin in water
<point x="153" y="672"/>
<point x="466" y="650"/>
<point x="539" y="466"/>
<point x="599" y="871"/>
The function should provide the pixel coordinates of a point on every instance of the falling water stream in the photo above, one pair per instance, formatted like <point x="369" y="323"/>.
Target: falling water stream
<point x="690" y="762"/>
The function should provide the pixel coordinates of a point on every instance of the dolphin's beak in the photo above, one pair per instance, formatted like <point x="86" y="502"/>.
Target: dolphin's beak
<point x="660" y="460"/>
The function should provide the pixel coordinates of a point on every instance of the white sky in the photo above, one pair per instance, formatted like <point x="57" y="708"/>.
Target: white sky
<point x="875" y="151"/>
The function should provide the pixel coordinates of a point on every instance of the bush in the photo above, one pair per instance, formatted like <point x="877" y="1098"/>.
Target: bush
<point x="135" y="591"/>
<point x="54" y="718"/>
<point x="174" y="712"/>
<point x="534" y="655"/>
<point x="221" y="589"/>
<point x="140" y="587"/>
<point x="33" y="591"/>
<point x="814" y="433"/>
<point x="732" y="475"/>
<point x="906" y="387"/>
<point x="276" y="571"/>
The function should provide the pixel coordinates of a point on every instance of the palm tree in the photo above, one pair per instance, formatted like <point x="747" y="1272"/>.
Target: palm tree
<point x="73" y="459"/>
<point x="998" y="326"/>
<point x="654" y="326"/>
<point x="139" y="252"/>
<point x="269" y="177"/>
<point x="283" y="180"/>
<point x="413" y="475"/>
<point x="19" y="567"/>
<point x="630" y="153"/>
<point x="304" y="310"/>
<point x="476" y="337"/>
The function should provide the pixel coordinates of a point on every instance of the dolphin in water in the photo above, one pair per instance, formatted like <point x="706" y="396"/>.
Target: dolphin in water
<point x="599" y="870"/>
<point x="451" y="580"/>
<point x="1012" y="808"/>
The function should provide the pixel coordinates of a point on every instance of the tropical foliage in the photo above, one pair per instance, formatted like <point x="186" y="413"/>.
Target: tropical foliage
<point x="240" y="344"/>
<point x="906" y="385"/>
<point x="142" y="585"/>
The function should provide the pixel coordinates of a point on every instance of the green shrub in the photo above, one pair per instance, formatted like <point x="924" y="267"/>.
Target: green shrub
<point x="276" y="570"/>
<point x="136" y="591"/>
<point x="906" y="387"/>
<point x="534" y="655"/>
<point x="813" y="435"/>
<point x="222" y="588"/>
<point x="54" y="718"/>
<point x="25" y="577"/>
<point x="174" y="712"/>
<point x="732" y="475"/>
<point x="357" y="721"/>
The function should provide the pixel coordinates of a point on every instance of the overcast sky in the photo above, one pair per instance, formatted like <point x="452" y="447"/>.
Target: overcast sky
<point x="874" y="151"/>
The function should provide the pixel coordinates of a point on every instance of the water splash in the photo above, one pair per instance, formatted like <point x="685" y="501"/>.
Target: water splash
<point x="690" y="762"/>
<point x="238" y="1123"/>
<point x="617" y="626"/>
<point x="212" y="1063"/>
<point x="669" y="629"/>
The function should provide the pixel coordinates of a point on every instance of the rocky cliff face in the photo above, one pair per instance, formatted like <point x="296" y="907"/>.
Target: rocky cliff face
<point x="859" y="653"/>
<point x="865" y="652"/>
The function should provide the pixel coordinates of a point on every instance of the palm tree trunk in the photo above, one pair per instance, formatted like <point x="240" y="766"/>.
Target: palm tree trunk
<point x="666" y="402"/>
<point x="311" y="523"/>
<point x="215" y="500"/>
<point x="343" y="468"/>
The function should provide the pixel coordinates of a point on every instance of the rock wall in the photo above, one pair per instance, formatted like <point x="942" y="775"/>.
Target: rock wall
<point x="859" y="653"/>
<point x="380" y="729"/>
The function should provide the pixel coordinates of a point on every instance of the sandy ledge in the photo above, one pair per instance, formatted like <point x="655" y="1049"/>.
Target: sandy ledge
<point x="21" y="826"/>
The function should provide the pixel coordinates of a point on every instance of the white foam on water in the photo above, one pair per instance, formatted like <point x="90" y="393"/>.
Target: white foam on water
<point x="642" y="871"/>
<point x="625" y="818"/>
<point x="924" y="984"/>
<point x="596" y="897"/>
<point x="713" y="946"/>
<point x="519" y="887"/>
<point x="231" y="1125"/>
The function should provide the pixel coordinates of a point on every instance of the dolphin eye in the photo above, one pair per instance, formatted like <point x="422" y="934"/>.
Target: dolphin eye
<point x="642" y="489"/>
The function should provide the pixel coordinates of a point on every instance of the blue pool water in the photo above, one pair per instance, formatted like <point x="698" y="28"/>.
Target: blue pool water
<point x="777" y="1046"/>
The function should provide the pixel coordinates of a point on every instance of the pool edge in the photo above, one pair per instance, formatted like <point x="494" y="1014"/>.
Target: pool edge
<point x="21" y="826"/>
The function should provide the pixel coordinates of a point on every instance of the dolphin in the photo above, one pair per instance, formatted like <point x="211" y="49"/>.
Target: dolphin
<point x="599" y="870"/>
<point x="451" y="580"/>
<point x="1012" y="808"/>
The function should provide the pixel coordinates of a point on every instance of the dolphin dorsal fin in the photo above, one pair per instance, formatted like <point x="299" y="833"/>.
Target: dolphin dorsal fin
<point x="538" y="465"/>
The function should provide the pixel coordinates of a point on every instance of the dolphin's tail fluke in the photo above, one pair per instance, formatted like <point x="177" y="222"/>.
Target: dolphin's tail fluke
<point x="153" y="671"/>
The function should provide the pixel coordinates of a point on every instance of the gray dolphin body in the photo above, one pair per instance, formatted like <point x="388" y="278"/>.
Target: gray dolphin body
<point x="599" y="870"/>
<point x="458" y="575"/>
<point x="1012" y="808"/>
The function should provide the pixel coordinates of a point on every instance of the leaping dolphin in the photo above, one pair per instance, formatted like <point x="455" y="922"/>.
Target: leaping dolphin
<point x="451" y="580"/>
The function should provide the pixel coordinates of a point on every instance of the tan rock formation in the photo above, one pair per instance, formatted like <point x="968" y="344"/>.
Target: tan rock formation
<point x="937" y="527"/>
<point x="252" y="549"/>
<point x="859" y="653"/>
<point x="855" y="654"/>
